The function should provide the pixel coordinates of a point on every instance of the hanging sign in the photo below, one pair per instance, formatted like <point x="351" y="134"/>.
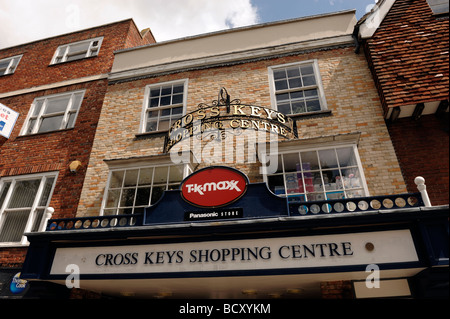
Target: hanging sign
<point x="8" y="119"/>
<point x="223" y="115"/>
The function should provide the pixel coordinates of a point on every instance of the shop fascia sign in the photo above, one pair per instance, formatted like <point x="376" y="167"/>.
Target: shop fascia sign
<point x="225" y="113"/>
<point x="281" y="253"/>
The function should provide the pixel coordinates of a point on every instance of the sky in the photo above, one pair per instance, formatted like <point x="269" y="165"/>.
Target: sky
<point x="24" y="21"/>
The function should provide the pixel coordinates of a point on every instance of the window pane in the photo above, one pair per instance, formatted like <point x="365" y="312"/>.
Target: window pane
<point x="127" y="199"/>
<point x="307" y="69"/>
<point x="37" y="107"/>
<point x="293" y="72"/>
<point x="157" y="192"/>
<point x="309" y="80"/>
<point x="58" y="104"/>
<point x="160" y="175"/>
<point x="76" y="101"/>
<point x="71" y="121"/>
<point x="165" y="100"/>
<point x="177" y="99"/>
<point x="178" y="89"/>
<point x="145" y="176"/>
<point x="346" y="157"/>
<point x="281" y="85"/>
<point x="46" y="191"/>
<point x="284" y="108"/>
<point x="131" y="177"/>
<point x="309" y="160"/>
<point x="112" y="199"/>
<point x="312" y="105"/>
<point x="116" y="179"/>
<point x="3" y="192"/>
<point x="351" y="178"/>
<point x="51" y="123"/>
<point x="24" y="193"/>
<point x="298" y="107"/>
<point x="38" y="215"/>
<point x="295" y="83"/>
<point x="291" y="162"/>
<point x="176" y="173"/>
<point x="13" y="226"/>
<point x="279" y="74"/>
<point x="151" y="126"/>
<point x="328" y="159"/>
<point x="143" y="196"/>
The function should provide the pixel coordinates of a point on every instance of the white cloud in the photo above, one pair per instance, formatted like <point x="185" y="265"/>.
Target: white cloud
<point x="28" y="20"/>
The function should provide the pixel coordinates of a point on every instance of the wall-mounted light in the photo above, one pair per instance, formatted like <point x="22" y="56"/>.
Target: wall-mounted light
<point x="75" y="166"/>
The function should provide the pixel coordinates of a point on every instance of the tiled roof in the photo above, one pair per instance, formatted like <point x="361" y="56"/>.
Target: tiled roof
<point x="410" y="55"/>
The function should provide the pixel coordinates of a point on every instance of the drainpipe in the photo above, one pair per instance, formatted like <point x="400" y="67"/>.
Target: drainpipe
<point x="420" y="182"/>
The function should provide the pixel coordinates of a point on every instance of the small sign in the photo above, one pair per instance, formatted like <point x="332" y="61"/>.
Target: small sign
<point x="214" y="186"/>
<point x="18" y="285"/>
<point x="214" y="214"/>
<point x="8" y="119"/>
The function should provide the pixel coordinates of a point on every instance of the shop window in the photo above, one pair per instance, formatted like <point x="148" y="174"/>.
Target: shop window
<point x="130" y="190"/>
<point x="9" y="65"/>
<point x="77" y="50"/>
<point x="296" y="88"/>
<point x="53" y="113"/>
<point x="319" y="174"/>
<point x="23" y="201"/>
<point x="164" y="104"/>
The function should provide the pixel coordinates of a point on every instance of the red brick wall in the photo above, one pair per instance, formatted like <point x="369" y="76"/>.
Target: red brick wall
<point x="422" y="149"/>
<point x="34" y="68"/>
<point x="53" y="151"/>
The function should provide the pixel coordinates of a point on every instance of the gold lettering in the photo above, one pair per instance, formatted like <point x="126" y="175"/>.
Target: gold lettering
<point x="215" y="111"/>
<point x="255" y="110"/>
<point x="187" y="119"/>
<point x="201" y="114"/>
<point x="245" y="124"/>
<point x="234" y="123"/>
<point x="269" y="113"/>
<point x="255" y="124"/>
<point x="281" y="117"/>
<point x="238" y="108"/>
<point x="274" y="128"/>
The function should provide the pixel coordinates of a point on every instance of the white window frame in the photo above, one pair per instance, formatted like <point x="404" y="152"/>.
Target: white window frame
<point x="187" y="170"/>
<point x="63" y="51"/>
<point x="40" y="116"/>
<point x="12" y="66"/>
<point x="296" y="149"/>
<point x="35" y="206"/>
<point x="146" y="109"/>
<point x="318" y="85"/>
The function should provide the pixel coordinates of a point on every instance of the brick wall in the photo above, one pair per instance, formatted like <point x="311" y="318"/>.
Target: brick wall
<point x="53" y="151"/>
<point x="350" y="93"/>
<point x="34" y="68"/>
<point x="422" y="150"/>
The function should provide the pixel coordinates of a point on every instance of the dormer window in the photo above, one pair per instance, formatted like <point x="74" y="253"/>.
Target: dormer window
<point x="77" y="50"/>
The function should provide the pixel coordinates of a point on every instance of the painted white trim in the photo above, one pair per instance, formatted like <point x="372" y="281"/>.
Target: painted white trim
<point x="234" y="57"/>
<point x="68" y="45"/>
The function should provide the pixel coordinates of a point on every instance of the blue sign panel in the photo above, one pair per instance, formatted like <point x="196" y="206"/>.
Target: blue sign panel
<point x="257" y="202"/>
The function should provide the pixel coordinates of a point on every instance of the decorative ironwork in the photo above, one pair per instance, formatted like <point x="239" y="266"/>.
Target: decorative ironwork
<point x="223" y="114"/>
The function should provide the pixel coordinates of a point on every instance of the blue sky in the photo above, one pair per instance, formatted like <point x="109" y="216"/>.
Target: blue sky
<point x="24" y="21"/>
<point x="274" y="10"/>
